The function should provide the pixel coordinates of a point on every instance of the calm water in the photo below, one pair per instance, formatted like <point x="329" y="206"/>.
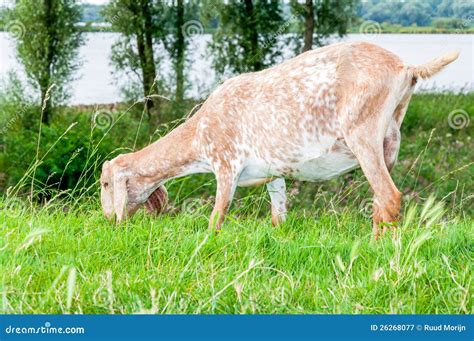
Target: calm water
<point x="95" y="82"/>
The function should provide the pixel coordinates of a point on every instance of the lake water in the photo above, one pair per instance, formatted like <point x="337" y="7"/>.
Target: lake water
<point x="96" y="83"/>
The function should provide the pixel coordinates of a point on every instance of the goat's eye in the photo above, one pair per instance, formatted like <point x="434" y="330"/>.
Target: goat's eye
<point x="105" y="184"/>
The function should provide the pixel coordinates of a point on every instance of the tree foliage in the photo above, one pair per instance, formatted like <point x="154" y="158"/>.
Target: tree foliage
<point x="140" y="24"/>
<point x="421" y="13"/>
<point x="321" y="19"/>
<point x="181" y="19"/>
<point x="246" y="36"/>
<point x="47" y="41"/>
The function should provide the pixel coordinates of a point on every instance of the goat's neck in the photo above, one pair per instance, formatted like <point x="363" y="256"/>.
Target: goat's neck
<point x="172" y="156"/>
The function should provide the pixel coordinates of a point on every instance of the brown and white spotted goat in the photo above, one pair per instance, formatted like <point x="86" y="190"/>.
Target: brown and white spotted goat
<point x="313" y="117"/>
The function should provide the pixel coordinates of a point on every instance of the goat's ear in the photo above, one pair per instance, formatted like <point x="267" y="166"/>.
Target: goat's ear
<point x="120" y="196"/>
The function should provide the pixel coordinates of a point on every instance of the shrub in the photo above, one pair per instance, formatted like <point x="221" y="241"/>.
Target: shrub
<point x="446" y="22"/>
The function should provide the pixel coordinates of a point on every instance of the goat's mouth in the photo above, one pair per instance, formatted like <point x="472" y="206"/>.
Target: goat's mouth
<point x="157" y="201"/>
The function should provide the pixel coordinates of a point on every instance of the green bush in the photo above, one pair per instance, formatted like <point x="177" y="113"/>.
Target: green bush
<point x="446" y="22"/>
<point x="70" y="150"/>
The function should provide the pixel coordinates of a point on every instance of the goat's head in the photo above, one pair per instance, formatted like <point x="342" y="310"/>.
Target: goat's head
<point x="123" y="191"/>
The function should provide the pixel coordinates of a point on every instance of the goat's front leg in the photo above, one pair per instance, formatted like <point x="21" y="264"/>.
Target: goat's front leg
<point x="277" y="191"/>
<point x="226" y="184"/>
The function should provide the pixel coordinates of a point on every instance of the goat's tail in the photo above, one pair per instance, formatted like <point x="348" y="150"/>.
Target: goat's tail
<point x="434" y="66"/>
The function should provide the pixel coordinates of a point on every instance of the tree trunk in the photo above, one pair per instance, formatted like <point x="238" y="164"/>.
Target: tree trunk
<point x="145" y="53"/>
<point x="253" y="38"/>
<point x="145" y="73"/>
<point x="45" y="81"/>
<point x="308" y="26"/>
<point x="180" y="47"/>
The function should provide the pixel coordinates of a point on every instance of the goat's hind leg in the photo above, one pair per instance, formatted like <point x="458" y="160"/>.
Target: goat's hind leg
<point x="387" y="198"/>
<point x="391" y="145"/>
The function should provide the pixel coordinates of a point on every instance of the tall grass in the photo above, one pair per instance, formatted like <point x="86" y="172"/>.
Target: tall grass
<point x="77" y="263"/>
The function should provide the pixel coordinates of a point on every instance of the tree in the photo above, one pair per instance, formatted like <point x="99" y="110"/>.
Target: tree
<point x="180" y="24"/>
<point x="139" y="23"/>
<point x="406" y="13"/>
<point x="246" y="36"/>
<point x="464" y="10"/>
<point x="47" y="40"/>
<point x="308" y="26"/>
<point x="322" y="18"/>
<point x="415" y="13"/>
<point x="180" y="47"/>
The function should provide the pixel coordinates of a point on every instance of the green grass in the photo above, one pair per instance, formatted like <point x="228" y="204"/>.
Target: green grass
<point x="64" y="257"/>
<point x="321" y="263"/>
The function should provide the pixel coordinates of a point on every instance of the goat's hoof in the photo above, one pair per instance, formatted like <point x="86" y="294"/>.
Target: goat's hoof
<point x="278" y="219"/>
<point x="375" y="231"/>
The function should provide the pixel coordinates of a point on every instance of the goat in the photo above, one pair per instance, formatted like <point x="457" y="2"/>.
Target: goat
<point x="313" y="117"/>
